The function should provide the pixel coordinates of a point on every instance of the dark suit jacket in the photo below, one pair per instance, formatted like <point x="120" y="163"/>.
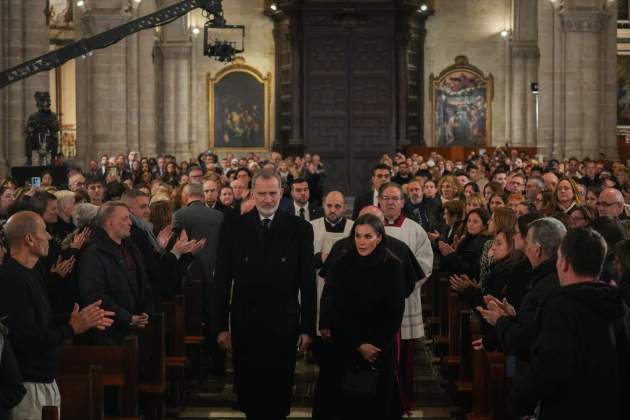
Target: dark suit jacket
<point x="266" y="279"/>
<point x="200" y="222"/>
<point x="432" y="219"/>
<point x="363" y="200"/>
<point x="313" y="212"/>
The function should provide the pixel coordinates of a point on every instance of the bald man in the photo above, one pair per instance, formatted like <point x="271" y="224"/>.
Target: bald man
<point x="611" y="203"/>
<point x="36" y="333"/>
<point x="331" y="227"/>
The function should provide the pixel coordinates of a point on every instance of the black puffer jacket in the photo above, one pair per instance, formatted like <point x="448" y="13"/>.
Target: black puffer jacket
<point x="467" y="258"/>
<point x="103" y="274"/>
<point x="580" y="359"/>
<point x="11" y="389"/>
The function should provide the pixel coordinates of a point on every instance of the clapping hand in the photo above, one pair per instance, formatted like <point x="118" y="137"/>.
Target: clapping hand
<point x="495" y="310"/>
<point x="140" y="321"/>
<point x="461" y="282"/>
<point x="63" y="267"/>
<point x="164" y="236"/>
<point x="478" y="344"/>
<point x="91" y="316"/>
<point x="445" y="249"/>
<point x="184" y="246"/>
<point x="80" y="238"/>
<point x="433" y="236"/>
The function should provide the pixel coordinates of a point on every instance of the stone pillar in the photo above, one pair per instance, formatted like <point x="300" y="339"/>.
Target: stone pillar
<point x="518" y="118"/>
<point x="530" y="100"/>
<point x="108" y="84"/>
<point x="577" y="78"/>
<point x="16" y="118"/>
<point x="133" y="80"/>
<point x="168" y="102"/>
<point x="182" y="103"/>
<point x="547" y="30"/>
<point x="147" y="99"/>
<point x="584" y="90"/>
<point x="4" y="138"/>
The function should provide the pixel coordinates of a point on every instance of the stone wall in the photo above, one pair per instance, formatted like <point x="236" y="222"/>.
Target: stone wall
<point x="471" y="28"/>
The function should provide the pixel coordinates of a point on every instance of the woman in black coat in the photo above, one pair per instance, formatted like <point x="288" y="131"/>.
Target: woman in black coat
<point x="465" y="256"/>
<point x="367" y="305"/>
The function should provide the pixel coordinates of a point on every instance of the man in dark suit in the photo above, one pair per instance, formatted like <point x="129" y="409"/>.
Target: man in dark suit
<point x="268" y="257"/>
<point x="211" y="188"/>
<point x="300" y="206"/>
<point x="381" y="174"/>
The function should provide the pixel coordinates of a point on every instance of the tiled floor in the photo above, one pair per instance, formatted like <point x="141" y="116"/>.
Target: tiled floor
<point x="214" y="399"/>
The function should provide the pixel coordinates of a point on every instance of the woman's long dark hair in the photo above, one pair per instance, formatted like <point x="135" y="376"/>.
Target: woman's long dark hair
<point x="370" y="220"/>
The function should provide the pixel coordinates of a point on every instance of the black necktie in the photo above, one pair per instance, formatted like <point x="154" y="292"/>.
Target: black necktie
<point x="302" y="216"/>
<point x="264" y="233"/>
<point x="265" y="223"/>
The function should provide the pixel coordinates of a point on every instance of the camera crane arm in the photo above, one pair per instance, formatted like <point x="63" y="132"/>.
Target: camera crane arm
<point x="53" y="59"/>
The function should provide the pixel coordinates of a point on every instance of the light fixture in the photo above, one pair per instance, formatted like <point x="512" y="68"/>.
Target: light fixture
<point x="195" y="30"/>
<point x="80" y="3"/>
<point x="273" y="7"/>
<point x="137" y="1"/>
<point x="505" y="33"/>
<point x="424" y="7"/>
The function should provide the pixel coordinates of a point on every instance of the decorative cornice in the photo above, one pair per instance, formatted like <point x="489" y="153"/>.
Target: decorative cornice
<point x="583" y="20"/>
<point x="174" y="50"/>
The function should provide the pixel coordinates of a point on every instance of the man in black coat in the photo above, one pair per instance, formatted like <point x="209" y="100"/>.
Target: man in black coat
<point x="267" y="256"/>
<point x="112" y="269"/>
<point x="427" y="212"/>
<point x="581" y="355"/>
<point x="381" y="174"/>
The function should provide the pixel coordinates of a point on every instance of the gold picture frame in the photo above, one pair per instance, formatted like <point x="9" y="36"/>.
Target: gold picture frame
<point x="236" y="96"/>
<point x="461" y="106"/>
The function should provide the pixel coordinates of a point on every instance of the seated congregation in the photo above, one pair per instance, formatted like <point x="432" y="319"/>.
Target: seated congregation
<point x="136" y="279"/>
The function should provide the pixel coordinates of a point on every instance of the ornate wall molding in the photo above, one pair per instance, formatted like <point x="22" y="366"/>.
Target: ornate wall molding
<point x="175" y="50"/>
<point x="525" y="50"/>
<point x="583" y="20"/>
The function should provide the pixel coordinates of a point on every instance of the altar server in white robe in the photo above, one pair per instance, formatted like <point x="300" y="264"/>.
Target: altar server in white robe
<point x="327" y="230"/>
<point x="392" y="201"/>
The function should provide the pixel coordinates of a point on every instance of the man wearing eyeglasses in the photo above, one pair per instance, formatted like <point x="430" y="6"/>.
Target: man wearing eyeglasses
<point x="611" y="203"/>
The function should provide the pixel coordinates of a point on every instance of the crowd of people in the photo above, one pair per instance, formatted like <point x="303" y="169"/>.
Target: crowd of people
<point x="540" y="251"/>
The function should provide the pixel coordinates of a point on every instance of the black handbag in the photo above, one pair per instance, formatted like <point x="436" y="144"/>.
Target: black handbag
<point x="360" y="382"/>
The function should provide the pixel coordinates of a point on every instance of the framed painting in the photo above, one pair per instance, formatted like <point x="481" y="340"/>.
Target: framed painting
<point x="239" y="105"/>
<point x="623" y="89"/>
<point x="461" y="105"/>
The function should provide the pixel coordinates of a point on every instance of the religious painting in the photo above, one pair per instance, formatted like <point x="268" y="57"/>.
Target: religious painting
<point x="239" y="102"/>
<point x="623" y="89"/>
<point x="461" y="99"/>
<point x="59" y="14"/>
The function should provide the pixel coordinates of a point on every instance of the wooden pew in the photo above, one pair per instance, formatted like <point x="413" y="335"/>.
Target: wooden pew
<point x="120" y="369"/>
<point x="176" y="360"/>
<point x="50" y="412"/>
<point x="152" y="368"/>
<point x="194" y="329"/>
<point x="82" y="394"/>
<point x="498" y="388"/>
<point x="451" y="361"/>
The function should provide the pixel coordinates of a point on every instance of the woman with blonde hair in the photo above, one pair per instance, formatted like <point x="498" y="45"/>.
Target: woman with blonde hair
<point x="566" y="196"/>
<point x="449" y="188"/>
<point x="475" y="201"/>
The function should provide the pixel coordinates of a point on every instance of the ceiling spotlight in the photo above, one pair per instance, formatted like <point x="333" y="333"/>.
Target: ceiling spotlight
<point x="505" y="33"/>
<point x="424" y="7"/>
<point x="137" y="1"/>
<point x="195" y="30"/>
<point x="274" y="7"/>
<point x="80" y="3"/>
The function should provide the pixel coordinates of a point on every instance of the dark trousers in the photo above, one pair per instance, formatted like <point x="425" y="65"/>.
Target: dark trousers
<point x="264" y="369"/>
<point x="326" y="398"/>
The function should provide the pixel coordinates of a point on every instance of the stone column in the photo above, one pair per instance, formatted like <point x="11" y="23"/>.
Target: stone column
<point x="4" y="138"/>
<point x="518" y="118"/>
<point x="16" y="118"/>
<point x="147" y="99"/>
<point x="584" y="91"/>
<point x="168" y="102"/>
<point x="107" y="84"/>
<point x="532" y="76"/>
<point x="182" y="103"/>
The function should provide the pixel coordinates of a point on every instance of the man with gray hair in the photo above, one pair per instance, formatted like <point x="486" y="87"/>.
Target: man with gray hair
<point x="112" y="269"/>
<point x="517" y="331"/>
